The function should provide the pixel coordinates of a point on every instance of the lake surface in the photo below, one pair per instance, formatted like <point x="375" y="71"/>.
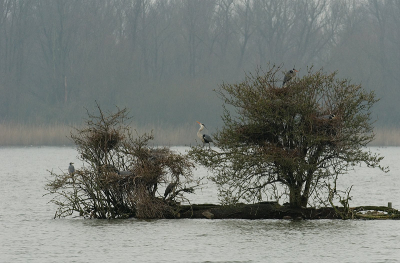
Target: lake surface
<point x="28" y="232"/>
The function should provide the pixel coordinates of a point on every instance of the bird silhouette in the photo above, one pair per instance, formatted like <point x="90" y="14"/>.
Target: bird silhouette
<point x="170" y="188"/>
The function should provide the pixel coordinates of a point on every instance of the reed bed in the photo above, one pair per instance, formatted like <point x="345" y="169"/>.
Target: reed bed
<point x="168" y="135"/>
<point x="17" y="134"/>
<point x="386" y="137"/>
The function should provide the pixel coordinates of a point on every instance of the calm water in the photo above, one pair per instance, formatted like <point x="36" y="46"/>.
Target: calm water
<point x="29" y="234"/>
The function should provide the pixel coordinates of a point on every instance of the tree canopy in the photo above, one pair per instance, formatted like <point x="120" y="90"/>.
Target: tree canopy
<point x="289" y="141"/>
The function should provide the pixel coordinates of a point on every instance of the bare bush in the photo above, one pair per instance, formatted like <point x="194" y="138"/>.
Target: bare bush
<point x="121" y="174"/>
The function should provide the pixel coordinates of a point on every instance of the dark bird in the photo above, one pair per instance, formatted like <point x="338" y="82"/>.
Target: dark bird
<point x="170" y="188"/>
<point x="205" y="138"/>
<point x="71" y="169"/>
<point x="127" y="173"/>
<point x="289" y="75"/>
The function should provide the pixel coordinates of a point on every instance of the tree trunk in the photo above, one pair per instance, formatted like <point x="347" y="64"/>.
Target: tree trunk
<point x="296" y="199"/>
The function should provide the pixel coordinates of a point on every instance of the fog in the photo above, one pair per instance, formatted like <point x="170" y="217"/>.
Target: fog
<point x="163" y="59"/>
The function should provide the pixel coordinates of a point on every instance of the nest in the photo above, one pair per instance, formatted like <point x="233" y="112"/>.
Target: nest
<point x="280" y="91"/>
<point x="256" y="135"/>
<point x="105" y="140"/>
<point x="326" y="126"/>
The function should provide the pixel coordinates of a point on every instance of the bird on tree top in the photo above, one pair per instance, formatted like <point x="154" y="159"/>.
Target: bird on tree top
<point x="289" y="75"/>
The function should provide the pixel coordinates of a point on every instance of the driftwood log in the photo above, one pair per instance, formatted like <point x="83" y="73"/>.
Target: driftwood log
<point x="272" y="210"/>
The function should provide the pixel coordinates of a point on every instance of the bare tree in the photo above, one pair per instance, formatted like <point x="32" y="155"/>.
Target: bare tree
<point x="122" y="174"/>
<point x="245" y="26"/>
<point x="161" y="32"/>
<point x="224" y="26"/>
<point x="59" y="24"/>
<point x="15" y="27"/>
<point x="196" y="21"/>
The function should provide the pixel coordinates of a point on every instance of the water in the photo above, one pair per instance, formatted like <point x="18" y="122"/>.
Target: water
<point x="29" y="234"/>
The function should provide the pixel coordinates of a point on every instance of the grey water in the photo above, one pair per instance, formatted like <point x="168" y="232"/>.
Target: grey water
<point x="28" y="232"/>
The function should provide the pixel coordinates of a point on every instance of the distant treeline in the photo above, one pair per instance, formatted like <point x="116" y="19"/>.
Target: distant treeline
<point x="163" y="58"/>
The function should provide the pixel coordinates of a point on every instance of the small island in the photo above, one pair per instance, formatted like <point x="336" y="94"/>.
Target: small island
<point x="293" y="140"/>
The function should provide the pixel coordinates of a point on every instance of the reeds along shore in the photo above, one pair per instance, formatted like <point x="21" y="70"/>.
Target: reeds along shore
<point x="386" y="137"/>
<point x="16" y="134"/>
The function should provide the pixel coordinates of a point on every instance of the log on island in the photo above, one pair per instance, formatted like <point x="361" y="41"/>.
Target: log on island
<point x="272" y="210"/>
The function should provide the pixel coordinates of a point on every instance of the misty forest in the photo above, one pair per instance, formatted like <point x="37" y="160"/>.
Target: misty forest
<point x="163" y="59"/>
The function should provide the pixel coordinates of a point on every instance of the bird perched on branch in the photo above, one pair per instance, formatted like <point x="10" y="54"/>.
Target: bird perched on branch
<point x="112" y="168"/>
<point x="289" y="75"/>
<point x="128" y="173"/>
<point x="327" y="117"/>
<point x="170" y="188"/>
<point x="71" y="169"/>
<point x="205" y="138"/>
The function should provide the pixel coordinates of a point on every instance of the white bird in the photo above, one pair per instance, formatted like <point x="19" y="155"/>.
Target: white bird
<point x="289" y="75"/>
<point x="71" y="169"/>
<point x="112" y="168"/>
<point x="327" y="117"/>
<point x="205" y="138"/>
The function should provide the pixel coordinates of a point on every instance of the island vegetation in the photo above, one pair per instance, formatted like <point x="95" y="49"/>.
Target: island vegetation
<point x="122" y="173"/>
<point x="293" y="140"/>
<point x="290" y="142"/>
